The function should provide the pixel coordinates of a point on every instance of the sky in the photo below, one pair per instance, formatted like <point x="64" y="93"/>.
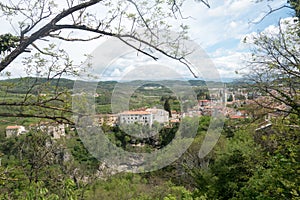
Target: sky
<point x="221" y="29"/>
<point x="218" y="31"/>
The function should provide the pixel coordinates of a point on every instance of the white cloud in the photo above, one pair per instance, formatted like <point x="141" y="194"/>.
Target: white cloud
<point x="224" y="20"/>
<point x="238" y="6"/>
<point x="272" y="30"/>
<point x="228" y="62"/>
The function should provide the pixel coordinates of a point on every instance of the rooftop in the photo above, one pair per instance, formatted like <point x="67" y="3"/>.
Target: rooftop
<point x="135" y="112"/>
<point x="13" y="127"/>
<point x="237" y="117"/>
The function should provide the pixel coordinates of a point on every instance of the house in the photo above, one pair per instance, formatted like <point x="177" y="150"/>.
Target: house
<point x="145" y="117"/>
<point x="14" y="131"/>
<point x="204" y="102"/>
<point x="236" y="117"/>
<point x="55" y="130"/>
<point x="131" y="117"/>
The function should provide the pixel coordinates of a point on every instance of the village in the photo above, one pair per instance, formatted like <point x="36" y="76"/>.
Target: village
<point x="228" y="102"/>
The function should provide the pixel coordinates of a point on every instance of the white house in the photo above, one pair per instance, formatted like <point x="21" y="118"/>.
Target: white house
<point x="145" y="117"/>
<point x="131" y="117"/>
<point x="14" y="131"/>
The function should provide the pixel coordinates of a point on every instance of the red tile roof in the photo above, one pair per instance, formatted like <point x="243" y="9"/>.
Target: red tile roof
<point x="237" y="117"/>
<point x="13" y="127"/>
<point x="133" y="112"/>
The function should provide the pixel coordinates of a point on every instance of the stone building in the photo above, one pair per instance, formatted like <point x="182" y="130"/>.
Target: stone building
<point x="55" y="130"/>
<point x="14" y="131"/>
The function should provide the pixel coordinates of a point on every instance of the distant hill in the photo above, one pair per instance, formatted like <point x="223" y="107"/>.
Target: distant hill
<point x="197" y="83"/>
<point x="22" y="85"/>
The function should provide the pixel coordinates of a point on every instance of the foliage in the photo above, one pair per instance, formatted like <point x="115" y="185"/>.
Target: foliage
<point x="135" y="187"/>
<point x="278" y="176"/>
<point x="167" y="107"/>
<point x="230" y="98"/>
<point x="277" y="180"/>
<point x="296" y="6"/>
<point x="8" y="42"/>
<point x="247" y="168"/>
<point x="81" y="156"/>
<point x="241" y="166"/>
<point x="33" y="166"/>
<point x="275" y="68"/>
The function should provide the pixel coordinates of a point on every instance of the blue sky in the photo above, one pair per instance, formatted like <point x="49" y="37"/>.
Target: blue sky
<point x="218" y="30"/>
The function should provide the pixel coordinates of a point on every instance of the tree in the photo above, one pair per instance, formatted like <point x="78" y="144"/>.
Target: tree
<point x="276" y="177"/>
<point x="232" y="163"/>
<point x="167" y="107"/>
<point x="230" y="98"/>
<point x="34" y="165"/>
<point x="275" y="68"/>
<point x="34" y="168"/>
<point x="295" y="4"/>
<point x="43" y="20"/>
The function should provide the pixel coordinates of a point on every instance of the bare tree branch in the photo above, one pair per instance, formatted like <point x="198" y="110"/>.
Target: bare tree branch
<point x="271" y="10"/>
<point x="142" y="17"/>
<point x="74" y="39"/>
<point x="205" y="3"/>
<point x="42" y="32"/>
